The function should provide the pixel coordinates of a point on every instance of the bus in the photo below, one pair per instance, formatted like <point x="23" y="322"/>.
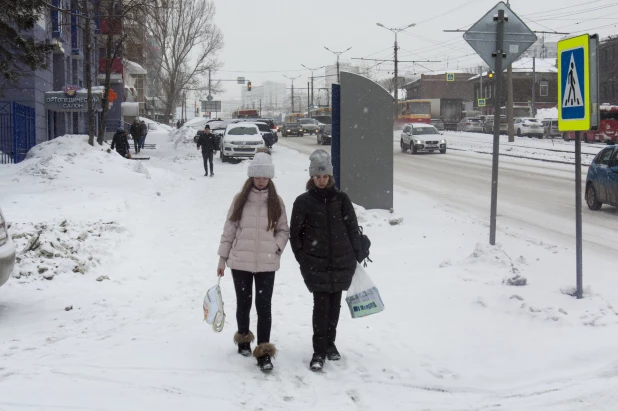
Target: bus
<point x="608" y="128"/>
<point x="291" y="118"/>
<point x="323" y="114"/>
<point x="245" y="114"/>
<point x="413" y="111"/>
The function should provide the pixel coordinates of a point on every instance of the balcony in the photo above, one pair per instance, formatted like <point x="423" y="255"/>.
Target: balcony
<point x="117" y="67"/>
<point x="111" y="26"/>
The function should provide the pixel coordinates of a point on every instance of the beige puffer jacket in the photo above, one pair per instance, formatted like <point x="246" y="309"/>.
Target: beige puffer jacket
<point x="248" y="245"/>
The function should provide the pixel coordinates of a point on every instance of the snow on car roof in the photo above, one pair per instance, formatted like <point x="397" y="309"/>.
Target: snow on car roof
<point x="419" y="125"/>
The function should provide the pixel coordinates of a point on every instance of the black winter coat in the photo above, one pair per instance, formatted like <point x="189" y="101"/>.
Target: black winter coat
<point x="325" y="239"/>
<point x="121" y="144"/>
<point x="136" y="131"/>
<point x="208" y="142"/>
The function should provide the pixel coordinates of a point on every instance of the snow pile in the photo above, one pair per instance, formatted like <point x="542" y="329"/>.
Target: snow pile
<point x="56" y="248"/>
<point x="183" y="135"/>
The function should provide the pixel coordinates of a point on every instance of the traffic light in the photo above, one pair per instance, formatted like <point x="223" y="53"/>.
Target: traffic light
<point x="490" y="74"/>
<point x="248" y="86"/>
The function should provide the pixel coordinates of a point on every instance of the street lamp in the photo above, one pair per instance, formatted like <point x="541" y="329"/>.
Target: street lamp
<point x="312" y="70"/>
<point x="337" y="53"/>
<point x="292" y="78"/>
<point x="396" y="31"/>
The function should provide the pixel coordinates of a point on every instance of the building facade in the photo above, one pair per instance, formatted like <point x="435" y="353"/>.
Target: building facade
<point x="437" y="85"/>
<point x="608" y="70"/>
<point x="270" y="96"/>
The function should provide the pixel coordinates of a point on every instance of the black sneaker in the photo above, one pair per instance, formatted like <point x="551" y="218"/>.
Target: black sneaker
<point x="332" y="354"/>
<point x="206" y="175"/>
<point x="244" y="349"/>
<point x="317" y="363"/>
<point x="212" y="174"/>
<point x="264" y="363"/>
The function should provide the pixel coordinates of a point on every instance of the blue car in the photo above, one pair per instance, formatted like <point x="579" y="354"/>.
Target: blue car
<point x="602" y="179"/>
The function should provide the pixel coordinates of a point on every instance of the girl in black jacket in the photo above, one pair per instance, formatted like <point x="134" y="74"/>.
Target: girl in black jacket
<point x="325" y="240"/>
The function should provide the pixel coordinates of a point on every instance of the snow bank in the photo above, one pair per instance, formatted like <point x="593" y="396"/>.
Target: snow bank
<point x="549" y="113"/>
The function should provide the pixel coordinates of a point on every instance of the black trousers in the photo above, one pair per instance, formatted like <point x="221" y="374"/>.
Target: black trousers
<point x="326" y="309"/>
<point x="264" y="284"/>
<point x="136" y="144"/>
<point x="208" y="156"/>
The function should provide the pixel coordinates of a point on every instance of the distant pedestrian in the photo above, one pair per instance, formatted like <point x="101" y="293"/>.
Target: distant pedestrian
<point x="136" y="134"/>
<point x="326" y="242"/>
<point x="208" y="142"/>
<point x="121" y="143"/>
<point x="144" y="129"/>
<point x="178" y="124"/>
<point x="255" y="234"/>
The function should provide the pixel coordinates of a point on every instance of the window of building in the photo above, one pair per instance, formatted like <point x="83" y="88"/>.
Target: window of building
<point x="544" y="89"/>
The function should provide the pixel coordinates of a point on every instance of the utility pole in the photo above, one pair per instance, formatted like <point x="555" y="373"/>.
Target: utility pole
<point x="396" y="85"/>
<point x="509" y="103"/>
<point x="337" y="53"/>
<point x="260" y="107"/>
<point x="292" y="78"/>
<point x="308" y="106"/>
<point x="312" y="77"/>
<point x="533" y="101"/>
<point x="481" y="91"/>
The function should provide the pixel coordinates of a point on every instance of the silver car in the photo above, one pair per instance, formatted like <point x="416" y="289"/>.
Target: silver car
<point x="7" y="252"/>
<point x="420" y="137"/>
<point x="471" y="125"/>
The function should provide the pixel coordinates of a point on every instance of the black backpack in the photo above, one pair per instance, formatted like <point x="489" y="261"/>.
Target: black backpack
<point x="365" y="245"/>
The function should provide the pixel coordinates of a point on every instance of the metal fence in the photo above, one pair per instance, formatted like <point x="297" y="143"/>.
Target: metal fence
<point x="17" y="132"/>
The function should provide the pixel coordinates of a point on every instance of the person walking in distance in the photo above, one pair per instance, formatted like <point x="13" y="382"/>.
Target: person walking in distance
<point x="121" y="143"/>
<point x="326" y="242"/>
<point x="207" y="141"/>
<point x="144" y="129"/>
<point x="255" y="234"/>
<point x="136" y="134"/>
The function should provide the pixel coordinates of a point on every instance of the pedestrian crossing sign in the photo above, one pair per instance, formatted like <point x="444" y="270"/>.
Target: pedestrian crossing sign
<point x="482" y="102"/>
<point x="574" y="87"/>
<point x="450" y="76"/>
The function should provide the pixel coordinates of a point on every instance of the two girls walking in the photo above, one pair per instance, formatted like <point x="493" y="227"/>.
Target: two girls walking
<point x="325" y="240"/>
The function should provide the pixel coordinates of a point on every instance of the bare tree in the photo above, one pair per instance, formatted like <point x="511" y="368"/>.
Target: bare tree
<point x="188" y="41"/>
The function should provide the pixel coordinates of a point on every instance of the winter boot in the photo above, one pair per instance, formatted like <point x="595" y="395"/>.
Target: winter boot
<point x="263" y="353"/>
<point x="317" y="362"/>
<point x="332" y="354"/>
<point x="244" y="343"/>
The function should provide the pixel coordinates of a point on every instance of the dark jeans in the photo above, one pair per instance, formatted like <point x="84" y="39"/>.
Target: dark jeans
<point x="208" y="156"/>
<point x="264" y="284"/>
<point x="141" y="142"/>
<point x="136" y="144"/>
<point x="326" y="308"/>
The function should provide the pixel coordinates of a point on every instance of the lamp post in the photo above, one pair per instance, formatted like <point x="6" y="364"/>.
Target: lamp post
<point x="292" y="78"/>
<point x="396" y="31"/>
<point x="337" y="53"/>
<point x="312" y="70"/>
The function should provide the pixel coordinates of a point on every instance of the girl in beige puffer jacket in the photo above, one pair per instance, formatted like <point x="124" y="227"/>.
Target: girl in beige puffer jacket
<point x="255" y="234"/>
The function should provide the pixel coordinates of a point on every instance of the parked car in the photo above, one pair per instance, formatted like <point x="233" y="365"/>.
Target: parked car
<point x="602" y="179"/>
<point x="419" y="137"/>
<point x="309" y="125"/>
<point x="470" y="124"/>
<point x="526" y="126"/>
<point x="438" y="124"/>
<point x="488" y="124"/>
<point x="550" y="128"/>
<point x="269" y="121"/>
<point x="325" y="135"/>
<point x="241" y="141"/>
<point x="7" y="252"/>
<point x="291" y="129"/>
<point x="269" y="135"/>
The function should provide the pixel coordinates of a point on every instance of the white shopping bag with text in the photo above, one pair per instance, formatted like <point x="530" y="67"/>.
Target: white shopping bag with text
<point x="363" y="297"/>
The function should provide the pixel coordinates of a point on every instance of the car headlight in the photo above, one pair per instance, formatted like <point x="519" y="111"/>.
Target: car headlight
<point x="442" y="141"/>
<point x="419" y="142"/>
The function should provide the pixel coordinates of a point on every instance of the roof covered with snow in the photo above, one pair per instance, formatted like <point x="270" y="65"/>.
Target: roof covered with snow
<point x="524" y="65"/>
<point x="133" y="68"/>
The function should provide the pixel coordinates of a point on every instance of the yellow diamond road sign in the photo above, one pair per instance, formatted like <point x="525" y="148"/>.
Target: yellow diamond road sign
<point x="574" y="84"/>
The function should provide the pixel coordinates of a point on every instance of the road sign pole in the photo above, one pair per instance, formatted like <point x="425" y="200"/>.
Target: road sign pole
<point x="497" y="105"/>
<point x="578" y="211"/>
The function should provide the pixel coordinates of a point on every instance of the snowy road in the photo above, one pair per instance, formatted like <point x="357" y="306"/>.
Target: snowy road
<point x="536" y="198"/>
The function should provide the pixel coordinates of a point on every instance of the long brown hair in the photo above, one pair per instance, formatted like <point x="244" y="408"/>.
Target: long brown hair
<point x="310" y="184"/>
<point x="274" y="205"/>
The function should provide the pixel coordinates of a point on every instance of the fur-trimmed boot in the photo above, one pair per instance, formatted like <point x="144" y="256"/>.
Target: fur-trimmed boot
<point x="244" y="343"/>
<point x="264" y="353"/>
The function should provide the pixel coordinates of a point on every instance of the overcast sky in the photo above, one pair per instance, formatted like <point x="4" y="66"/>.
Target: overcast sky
<point x="268" y="38"/>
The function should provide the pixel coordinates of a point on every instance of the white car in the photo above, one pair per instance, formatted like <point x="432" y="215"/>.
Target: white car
<point x="421" y="137"/>
<point x="7" y="252"/>
<point x="528" y="127"/>
<point x="241" y="140"/>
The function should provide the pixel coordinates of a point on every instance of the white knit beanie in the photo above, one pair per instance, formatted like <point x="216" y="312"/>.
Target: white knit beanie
<point x="261" y="166"/>
<point x="320" y="163"/>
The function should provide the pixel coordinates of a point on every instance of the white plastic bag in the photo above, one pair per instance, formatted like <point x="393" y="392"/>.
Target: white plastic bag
<point x="363" y="297"/>
<point x="213" y="308"/>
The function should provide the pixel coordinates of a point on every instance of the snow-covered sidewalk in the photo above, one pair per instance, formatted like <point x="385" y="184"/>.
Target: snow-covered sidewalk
<point x="454" y="335"/>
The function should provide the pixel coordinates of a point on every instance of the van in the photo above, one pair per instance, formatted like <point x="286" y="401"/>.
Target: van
<point x="550" y="128"/>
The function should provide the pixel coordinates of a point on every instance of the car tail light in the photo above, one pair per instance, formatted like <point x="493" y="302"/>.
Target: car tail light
<point x="468" y="123"/>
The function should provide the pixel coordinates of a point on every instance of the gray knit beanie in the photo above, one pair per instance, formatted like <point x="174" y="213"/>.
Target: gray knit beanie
<point x="320" y="163"/>
<point x="261" y="166"/>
